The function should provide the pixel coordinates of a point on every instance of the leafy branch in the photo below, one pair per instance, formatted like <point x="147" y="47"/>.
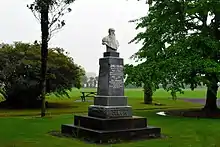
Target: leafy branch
<point x="57" y="9"/>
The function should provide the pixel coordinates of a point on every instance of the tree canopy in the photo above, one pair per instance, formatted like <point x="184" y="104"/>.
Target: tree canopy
<point x="144" y="75"/>
<point x="181" y="38"/>
<point x="20" y="72"/>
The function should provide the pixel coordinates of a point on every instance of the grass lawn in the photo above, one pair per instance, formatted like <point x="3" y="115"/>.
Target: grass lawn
<point x="28" y="131"/>
<point x="64" y="105"/>
<point x="160" y="93"/>
<point x="181" y="132"/>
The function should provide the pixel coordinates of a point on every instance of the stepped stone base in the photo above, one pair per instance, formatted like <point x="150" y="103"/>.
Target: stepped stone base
<point x="104" y="130"/>
<point x="110" y="123"/>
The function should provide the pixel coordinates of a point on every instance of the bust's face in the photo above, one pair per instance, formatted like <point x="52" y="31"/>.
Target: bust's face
<point x="111" y="32"/>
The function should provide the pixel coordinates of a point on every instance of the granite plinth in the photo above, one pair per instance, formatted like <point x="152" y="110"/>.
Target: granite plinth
<point x="109" y="111"/>
<point x="111" y="123"/>
<point x="111" y="61"/>
<point x="110" y="100"/>
<point x="104" y="136"/>
<point x="111" y="54"/>
<point x="111" y="77"/>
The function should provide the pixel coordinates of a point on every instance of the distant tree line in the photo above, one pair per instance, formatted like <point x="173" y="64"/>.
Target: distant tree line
<point x="89" y="82"/>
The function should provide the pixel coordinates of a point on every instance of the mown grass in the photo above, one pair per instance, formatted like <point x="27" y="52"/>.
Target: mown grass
<point x="180" y="132"/>
<point x="32" y="131"/>
<point x="138" y="93"/>
<point x="64" y="105"/>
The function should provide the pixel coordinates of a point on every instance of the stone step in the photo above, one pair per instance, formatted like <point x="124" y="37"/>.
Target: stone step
<point x="111" y="123"/>
<point x="105" y="136"/>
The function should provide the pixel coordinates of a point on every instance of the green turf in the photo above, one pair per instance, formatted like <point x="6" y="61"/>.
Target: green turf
<point x="138" y="93"/>
<point x="181" y="132"/>
<point x="63" y="105"/>
<point x="27" y="131"/>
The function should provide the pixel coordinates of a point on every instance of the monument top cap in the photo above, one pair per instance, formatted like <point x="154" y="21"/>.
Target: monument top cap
<point x="111" y="54"/>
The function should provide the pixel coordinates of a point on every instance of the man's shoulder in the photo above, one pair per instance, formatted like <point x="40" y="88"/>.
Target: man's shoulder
<point x="106" y="38"/>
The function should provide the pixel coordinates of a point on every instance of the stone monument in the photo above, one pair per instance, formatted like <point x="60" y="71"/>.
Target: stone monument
<point x="110" y="117"/>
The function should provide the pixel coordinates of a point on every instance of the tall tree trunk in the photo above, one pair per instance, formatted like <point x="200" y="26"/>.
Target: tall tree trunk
<point x="212" y="88"/>
<point x="148" y="93"/>
<point x="211" y="95"/>
<point x="44" y="54"/>
<point x="94" y="83"/>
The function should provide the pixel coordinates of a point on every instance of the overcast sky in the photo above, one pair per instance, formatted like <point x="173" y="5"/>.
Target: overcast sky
<point x="85" y="26"/>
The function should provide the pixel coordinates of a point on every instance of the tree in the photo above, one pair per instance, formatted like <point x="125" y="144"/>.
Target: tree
<point x="96" y="81"/>
<point x="20" y="73"/>
<point x="91" y="82"/>
<point x="84" y="80"/>
<point x="179" y="37"/>
<point x="144" y="76"/>
<point x="49" y="14"/>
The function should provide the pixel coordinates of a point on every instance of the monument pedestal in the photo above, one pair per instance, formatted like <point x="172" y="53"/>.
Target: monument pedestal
<point x="110" y="118"/>
<point x="110" y="100"/>
<point x="110" y="111"/>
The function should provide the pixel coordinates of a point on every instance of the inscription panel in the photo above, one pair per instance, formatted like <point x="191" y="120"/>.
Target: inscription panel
<point x="114" y="112"/>
<point x="116" y="76"/>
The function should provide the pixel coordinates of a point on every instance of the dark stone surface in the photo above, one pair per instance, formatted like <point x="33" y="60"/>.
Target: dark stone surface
<point x="112" y="54"/>
<point x="111" y="61"/>
<point x="109" y="111"/>
<point x="104" y="136"/>
<point x="111" y="77"/>
<point x="110" y="100"/>
<point x="110" y="124"/>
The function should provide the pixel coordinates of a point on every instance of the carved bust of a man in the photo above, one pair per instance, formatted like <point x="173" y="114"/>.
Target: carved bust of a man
<point x="110" y="41"/>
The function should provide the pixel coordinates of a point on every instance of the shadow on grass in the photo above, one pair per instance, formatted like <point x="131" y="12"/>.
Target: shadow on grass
<point x="50" y="105"/>
<point x="112" y="141"/>
<point x="154" y="104"/>
<point x="61" y="105"/>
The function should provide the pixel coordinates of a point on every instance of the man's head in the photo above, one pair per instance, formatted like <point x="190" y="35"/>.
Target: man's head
<point x="111" y="31"/>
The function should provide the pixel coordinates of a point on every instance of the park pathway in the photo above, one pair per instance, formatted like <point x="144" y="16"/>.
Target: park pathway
<point x="198" y="100"/>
